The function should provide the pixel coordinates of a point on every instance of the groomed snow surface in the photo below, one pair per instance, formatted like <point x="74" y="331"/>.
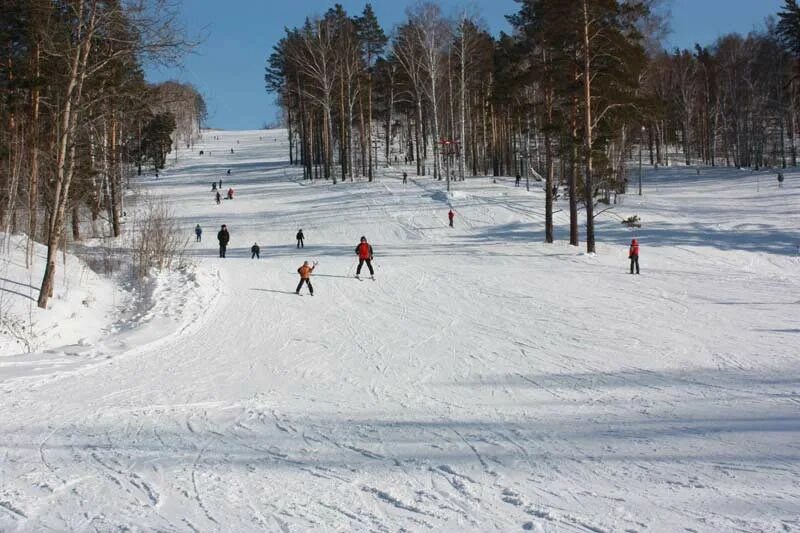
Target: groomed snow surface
<point x="485" y="381"/>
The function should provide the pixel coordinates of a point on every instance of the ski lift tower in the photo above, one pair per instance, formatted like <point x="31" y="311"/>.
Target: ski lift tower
<point x="450" y="149"/>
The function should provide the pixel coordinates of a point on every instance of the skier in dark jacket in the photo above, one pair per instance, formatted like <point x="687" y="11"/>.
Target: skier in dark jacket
<point x="218" y="197"/>
<point x="300" y="238"/>
<point x="198" y="231"/>
<point x="364" y="252"/>
<point x="633" y="255"/>
<point x="254" y="251"/>
<point x="223" y="237"/>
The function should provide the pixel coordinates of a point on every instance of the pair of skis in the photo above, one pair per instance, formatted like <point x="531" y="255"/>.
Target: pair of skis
<point x="358" y="277"/>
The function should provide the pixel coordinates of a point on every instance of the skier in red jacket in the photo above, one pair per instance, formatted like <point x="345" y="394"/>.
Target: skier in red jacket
<point x="633" y="255"/>
<point x="364" y="252"/>
<point x="451" y="216"/>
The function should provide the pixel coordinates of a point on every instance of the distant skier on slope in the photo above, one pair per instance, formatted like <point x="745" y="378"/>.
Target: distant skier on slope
<point x="633" y="255"/>
<point x="255" y="251"/>
<point x="213" y="186"/>
<point x="405" y="177"/>
<point x="224" y="238"/>
<point x="230" y="193"/>
<point x="198" y="231"/>
<point x="305" y="277"/>
<point x="300" y="238"/>
<point x="450" y="217"/>
<point x="218" y="197"/>
<point x="365" y="254"/>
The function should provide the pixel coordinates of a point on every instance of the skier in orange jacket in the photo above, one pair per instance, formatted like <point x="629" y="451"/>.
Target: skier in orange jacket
<point x="305" y="277"/>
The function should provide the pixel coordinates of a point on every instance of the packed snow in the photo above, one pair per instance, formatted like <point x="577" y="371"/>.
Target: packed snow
<point x="484" y="381"/>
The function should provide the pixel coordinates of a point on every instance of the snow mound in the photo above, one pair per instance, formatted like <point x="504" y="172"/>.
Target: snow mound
<point x="446" y="196"/>
<point x="81" y="310"/>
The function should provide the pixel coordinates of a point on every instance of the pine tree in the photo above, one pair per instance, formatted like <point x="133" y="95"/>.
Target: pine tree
<point x="789" y="27"/>
<point x="373" y="42"/>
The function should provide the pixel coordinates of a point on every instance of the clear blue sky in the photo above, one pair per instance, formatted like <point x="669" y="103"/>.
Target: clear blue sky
<point x="228" y="68"/>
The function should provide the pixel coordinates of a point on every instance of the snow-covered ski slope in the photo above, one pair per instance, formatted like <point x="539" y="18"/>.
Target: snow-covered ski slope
<point x="484" y="382"/>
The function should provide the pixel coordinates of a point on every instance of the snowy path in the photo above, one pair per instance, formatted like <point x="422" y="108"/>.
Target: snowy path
<point x="483" y="382"/>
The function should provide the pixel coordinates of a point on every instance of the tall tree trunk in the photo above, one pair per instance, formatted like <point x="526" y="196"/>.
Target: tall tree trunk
<point x="65" y="155"/>
<point x="33" y="181"/>
<point x="369" y="126"/>
<point x="343" y="144"/>
<point x="573" y="176"/>
<point x="587" y="96"/>
<point x="435" y="112"/>
<point x="548" y="157"/>
<point x="389" y="119"/>
<point x="114" y="179"/>
<point x="417" y="135"/>
<point x="76" y="222"/>
<point x="291" y="133"/>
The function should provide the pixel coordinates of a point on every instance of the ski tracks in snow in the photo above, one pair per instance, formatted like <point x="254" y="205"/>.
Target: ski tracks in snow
<point x="483" y="382"/>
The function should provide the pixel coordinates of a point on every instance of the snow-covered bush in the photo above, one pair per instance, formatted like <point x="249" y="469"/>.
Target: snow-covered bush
<point x="158" y="241"/>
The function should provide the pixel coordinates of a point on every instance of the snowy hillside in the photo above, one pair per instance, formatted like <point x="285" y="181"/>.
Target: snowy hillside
<point x="78" y="315"/>
<point x="484" y="381"/>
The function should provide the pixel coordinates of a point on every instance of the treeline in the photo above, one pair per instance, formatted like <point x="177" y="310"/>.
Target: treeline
<point x="566" y="98"/>
<point x="78" y="117"/>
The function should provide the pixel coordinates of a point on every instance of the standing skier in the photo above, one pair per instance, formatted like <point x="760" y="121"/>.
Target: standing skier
<point x="405" y="177"/>
<point x="450" y="217"/>
<point x="633" y="255"/>
<point x="223" y="237"/>
<point x="230" y="193"/>
<point x="254" y="251"/>
<point x="364" y="252"/>
<point x="220" y="184"/>
<point x="305" y="277"/>
<point x="219" y="197"/>
<point x="300" y="238"/>
<point x="198" y="231"/>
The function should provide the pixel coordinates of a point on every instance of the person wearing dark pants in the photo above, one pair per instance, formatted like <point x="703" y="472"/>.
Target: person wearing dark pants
<point x="305" y="277"/>
<point x="254" y="251"/>
<point x="224" y="238"/>
<point x="300" y="238"/>
<point x="364" y="252"/>
<point x="198" y="231"/>
<point x="451" y="216"/>
<point x="405" y="177"/>
<point x="633" y="254"/>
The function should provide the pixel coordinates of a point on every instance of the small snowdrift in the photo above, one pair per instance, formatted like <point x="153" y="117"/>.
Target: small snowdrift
<point x="80" y="312"/>
<point x="91" y="318"/>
